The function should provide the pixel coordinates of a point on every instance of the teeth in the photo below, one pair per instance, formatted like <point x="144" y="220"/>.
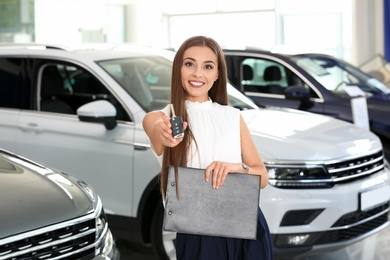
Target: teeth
<point x="196" y="83"/>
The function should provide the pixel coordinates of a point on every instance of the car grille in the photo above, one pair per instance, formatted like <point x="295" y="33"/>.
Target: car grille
<point x="355" y="224"/>
<point x="356" y="168"/>
<point x="75" y="240"/>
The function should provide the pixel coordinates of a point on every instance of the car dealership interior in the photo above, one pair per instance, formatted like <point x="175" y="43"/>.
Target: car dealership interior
<point x="308" y="42"/>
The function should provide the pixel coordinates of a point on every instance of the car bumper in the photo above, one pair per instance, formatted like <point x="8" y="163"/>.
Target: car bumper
<point x="329" y="218"/>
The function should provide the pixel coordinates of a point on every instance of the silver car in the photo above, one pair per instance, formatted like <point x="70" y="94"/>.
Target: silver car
<point x="47" y="214"/>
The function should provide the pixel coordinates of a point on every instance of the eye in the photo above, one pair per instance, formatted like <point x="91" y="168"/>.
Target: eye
<point x="209" y="66"/>
<point x="188" y="64"/>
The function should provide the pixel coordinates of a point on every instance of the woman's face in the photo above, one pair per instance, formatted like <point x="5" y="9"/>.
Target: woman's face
<point x="199" y="70"/>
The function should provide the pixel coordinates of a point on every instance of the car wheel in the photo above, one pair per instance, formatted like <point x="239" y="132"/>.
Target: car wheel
<point x="163" y="242"/>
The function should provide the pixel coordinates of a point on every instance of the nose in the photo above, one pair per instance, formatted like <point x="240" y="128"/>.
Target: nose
<point x="197" y="72"/>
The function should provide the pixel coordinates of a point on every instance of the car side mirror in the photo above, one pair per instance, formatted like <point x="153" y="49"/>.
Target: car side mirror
<point x="100" y="111"/>
<point x="297" y="92"/>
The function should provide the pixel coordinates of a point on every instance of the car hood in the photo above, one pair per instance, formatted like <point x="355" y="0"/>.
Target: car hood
<point x="294" y="136"/>
<point x="33" y="196"/>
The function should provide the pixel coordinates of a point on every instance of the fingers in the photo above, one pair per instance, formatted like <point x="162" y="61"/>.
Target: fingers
<point x="185" y="124"/>
<point x="218" y="172"/>
<point x="165" y="133"/>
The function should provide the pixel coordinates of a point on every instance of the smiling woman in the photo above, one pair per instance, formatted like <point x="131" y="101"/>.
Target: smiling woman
<point x="199" y="91"/>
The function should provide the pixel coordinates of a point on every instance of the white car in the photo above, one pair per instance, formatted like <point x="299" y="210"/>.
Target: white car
<point x="81" y="111"/>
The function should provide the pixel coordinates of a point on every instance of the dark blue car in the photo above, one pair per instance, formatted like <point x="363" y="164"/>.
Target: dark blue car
<point x="311" y="82"/>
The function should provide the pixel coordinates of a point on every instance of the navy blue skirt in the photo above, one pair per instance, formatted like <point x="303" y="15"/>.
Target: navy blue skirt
<point x="199" y="247"/>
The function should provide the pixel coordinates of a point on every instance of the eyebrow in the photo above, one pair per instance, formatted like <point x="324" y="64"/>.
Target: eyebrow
<point x="207" y="61"/>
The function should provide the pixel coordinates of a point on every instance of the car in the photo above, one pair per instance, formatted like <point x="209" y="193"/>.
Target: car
<point x="80" y="109"/>
<point x="310" y="82"/>
<point x="48" y="214"/>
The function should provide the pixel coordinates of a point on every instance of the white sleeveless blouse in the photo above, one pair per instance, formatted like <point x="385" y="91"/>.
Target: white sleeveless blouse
<point x="216" y="129"/>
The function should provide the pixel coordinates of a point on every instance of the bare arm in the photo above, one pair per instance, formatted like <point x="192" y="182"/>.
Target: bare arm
<point x="250" y="155"/>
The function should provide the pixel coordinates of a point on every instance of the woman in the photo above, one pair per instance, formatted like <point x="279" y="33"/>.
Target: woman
<point x="216" y="139"/>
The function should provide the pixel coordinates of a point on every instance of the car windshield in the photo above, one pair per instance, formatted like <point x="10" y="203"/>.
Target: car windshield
<point x="336" y="75"/>
<point x="147" y="79"/>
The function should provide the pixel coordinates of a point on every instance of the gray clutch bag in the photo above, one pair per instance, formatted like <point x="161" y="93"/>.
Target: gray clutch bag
<point x="230" y="211"/>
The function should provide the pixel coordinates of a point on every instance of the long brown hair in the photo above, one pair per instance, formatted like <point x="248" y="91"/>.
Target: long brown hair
<point x="177" y="156"/>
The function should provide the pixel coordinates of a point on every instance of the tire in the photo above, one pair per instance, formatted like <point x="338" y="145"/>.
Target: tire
<point x="163" y="242"/>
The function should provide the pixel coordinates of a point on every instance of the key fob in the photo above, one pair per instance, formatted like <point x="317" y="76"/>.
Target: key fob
<point x="177" y="127"/>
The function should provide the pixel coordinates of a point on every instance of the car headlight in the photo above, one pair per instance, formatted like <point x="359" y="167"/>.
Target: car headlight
<point x="101" y="224"/>
<point x="108" y="244"/>
<point x="299" y="176"/>
<point x="104" y="234"/>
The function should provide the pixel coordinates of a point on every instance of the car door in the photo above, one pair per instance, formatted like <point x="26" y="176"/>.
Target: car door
<point x="52" y="133"/>
<point x="15" y="94"/>
<point x="265" y="80"/>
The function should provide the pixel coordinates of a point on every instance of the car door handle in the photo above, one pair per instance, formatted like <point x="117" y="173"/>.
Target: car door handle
<point x="31" y="127"/>
<point x="141" y="147"/>
<point x="137" y="146"/>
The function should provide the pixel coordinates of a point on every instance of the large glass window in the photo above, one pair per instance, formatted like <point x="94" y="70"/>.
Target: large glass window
<point x="17" y="21"/>
<point x="282" y="25"/>
<point x="204" y="6"/>
<point x="315" y="26"/>
<point x="231" y="23"/>
<point x="317" y="33"/>
<point x="229" y="29"/>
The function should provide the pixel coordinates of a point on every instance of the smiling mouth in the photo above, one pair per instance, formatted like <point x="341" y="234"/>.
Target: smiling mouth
<point x="196" y="83"/>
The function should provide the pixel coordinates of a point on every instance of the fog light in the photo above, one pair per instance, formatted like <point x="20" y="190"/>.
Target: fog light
<point x="297" y="240"/>
<point x="291" y="240"/>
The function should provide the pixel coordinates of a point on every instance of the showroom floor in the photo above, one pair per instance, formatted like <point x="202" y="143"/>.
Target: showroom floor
<point x="376" y="247"/>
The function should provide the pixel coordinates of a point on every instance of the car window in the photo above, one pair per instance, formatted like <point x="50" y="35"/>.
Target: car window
<point x="336" y="75"/>
<point x="15" y="90"/>
<point x="66" y="87"/>
<point x="146" y="79"/>
<point x="267" y="76"/>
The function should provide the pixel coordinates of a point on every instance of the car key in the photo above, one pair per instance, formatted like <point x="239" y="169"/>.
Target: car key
<point x="177" y="124"/>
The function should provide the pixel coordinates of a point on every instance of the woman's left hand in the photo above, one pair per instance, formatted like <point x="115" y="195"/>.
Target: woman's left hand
<point x="219" y="170"/>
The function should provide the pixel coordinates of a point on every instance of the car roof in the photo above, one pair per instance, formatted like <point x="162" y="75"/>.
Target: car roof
<point x="252" y="49"/>
<point x="94" y="52"/>
<point x="244" y="49"/>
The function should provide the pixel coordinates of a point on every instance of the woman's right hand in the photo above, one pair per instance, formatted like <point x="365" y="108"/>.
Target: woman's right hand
<point x="163" y="129"/>
<point x="157" y="126"/>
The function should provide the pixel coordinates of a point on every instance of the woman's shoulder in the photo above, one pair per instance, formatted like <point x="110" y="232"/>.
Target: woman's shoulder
<point x="226" y="108"/>
<point x="226" y="112"/>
